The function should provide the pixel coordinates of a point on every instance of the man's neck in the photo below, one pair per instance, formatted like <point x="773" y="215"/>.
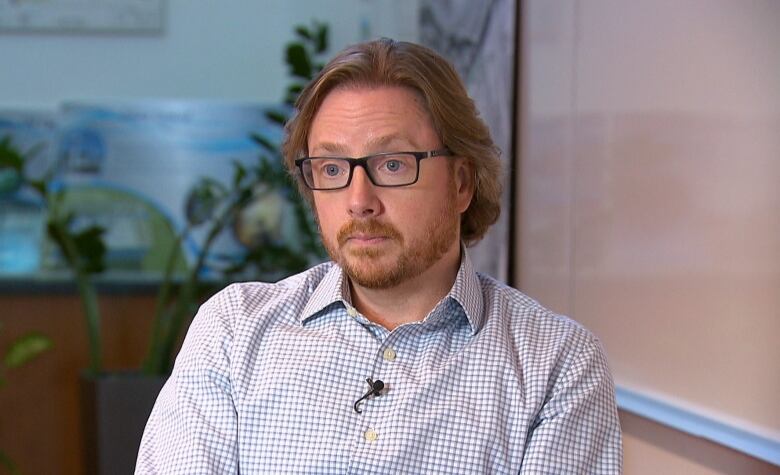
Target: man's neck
<point x="411" y="300"/>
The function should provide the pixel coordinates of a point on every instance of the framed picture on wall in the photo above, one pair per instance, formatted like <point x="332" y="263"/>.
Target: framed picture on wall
<point x="82" y="16"/>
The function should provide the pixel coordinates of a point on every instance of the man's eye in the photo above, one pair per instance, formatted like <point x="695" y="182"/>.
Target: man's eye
<point x="331" y="169"/>
<point x="393" y="165"/>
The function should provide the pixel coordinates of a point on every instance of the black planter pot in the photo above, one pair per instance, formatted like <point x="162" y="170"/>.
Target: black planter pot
<point x="114" y="409"/>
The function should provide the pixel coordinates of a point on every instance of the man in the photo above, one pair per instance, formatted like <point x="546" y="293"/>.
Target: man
<point x="396" y="357"/>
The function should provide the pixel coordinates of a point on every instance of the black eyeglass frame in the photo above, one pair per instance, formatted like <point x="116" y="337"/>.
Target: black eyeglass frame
<point x="363" y="162"/>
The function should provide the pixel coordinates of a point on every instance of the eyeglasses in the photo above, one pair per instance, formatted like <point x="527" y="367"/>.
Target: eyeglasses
<point x="389" y="169"/>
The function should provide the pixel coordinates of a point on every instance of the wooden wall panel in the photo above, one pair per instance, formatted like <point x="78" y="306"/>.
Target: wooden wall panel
<point x="39" y="408"/>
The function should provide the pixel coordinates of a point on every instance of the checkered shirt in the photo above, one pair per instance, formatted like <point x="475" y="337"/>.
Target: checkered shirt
<point x="488" y="382"/>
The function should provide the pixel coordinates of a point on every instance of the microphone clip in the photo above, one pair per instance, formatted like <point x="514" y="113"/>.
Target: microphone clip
<point x="376" y="390"/>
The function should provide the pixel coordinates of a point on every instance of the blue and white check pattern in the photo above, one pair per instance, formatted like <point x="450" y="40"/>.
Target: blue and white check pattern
<point x="488" y="382"/>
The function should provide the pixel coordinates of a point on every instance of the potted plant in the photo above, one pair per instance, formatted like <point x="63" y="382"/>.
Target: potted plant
<point x="116" y="406"/>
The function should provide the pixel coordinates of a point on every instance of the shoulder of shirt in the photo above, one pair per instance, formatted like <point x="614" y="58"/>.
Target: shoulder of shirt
<point x="250" y="299"/>
<point x="539" y="340"/>
<point x="526" y="319"/>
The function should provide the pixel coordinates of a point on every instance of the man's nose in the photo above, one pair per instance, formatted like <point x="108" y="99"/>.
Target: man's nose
<point x="363" y="201"/>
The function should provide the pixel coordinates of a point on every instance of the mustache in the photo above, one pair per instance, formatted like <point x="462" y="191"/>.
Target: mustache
<point x="371" y="227"/>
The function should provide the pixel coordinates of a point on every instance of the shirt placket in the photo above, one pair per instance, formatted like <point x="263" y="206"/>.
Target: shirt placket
<point x="372" y="438"/>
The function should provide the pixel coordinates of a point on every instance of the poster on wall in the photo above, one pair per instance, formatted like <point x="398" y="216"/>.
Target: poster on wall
<point x="133" y="169"/>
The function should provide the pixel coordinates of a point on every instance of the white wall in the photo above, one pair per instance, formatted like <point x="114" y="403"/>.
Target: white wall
<point x="227" y="50"/>
<point x="648" y="199"/>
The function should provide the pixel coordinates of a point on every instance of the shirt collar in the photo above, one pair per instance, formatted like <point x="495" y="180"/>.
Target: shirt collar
<point x="466" y="291"/>
<point x="331" y="289"/>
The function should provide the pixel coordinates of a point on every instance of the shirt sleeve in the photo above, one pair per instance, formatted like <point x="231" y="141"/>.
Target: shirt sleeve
<point x="578" y="430"/>
<point x="193" y="426"/>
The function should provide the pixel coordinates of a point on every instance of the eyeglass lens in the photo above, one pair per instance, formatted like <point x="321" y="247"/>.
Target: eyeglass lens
<point x="383" y="170"/>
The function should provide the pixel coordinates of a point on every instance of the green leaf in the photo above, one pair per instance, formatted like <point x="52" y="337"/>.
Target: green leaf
<point x="11" y="167"/>
<point x="203" y="199"/>
<point x="276" y="116"/>
<point x="298" y="60"/>
<point x="295" y="88"/>
<point x="293" y="91"/>
<point x="26" y="348"/>
<point x="58" y="232"/>
<point x="6" y="462"/>
<point x="40" y="186"/>
<point x="244" y="195"/>
<point x="91" y="248"/>
<point x="239" y="173"/>
<point x="303" y="32"/>
<point x="289" y="99"/>
<point x="10" y="157"/>
<point x="84" y="248"/>
<point x="322" y="38"/>
<point x="266" y="143"/>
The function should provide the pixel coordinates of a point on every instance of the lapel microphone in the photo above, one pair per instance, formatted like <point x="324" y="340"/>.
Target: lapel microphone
<point x="376" y="390"/>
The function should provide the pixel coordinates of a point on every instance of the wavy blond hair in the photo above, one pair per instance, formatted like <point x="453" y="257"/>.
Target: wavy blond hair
<point x="386" y="62"/>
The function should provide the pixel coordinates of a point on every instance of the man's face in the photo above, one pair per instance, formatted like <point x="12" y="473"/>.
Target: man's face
<point x="383" y="237"/>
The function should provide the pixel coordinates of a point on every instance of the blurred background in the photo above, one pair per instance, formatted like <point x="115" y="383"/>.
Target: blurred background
<point x="139" y="173"/>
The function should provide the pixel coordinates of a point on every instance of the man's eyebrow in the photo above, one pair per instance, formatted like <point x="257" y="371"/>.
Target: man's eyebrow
<point x="330" y="147"/>
<point x="375" y="144"/>
<point x="385" y="140"/>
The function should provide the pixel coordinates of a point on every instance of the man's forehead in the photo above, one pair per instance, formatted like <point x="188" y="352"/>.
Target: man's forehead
<point x="415" y="96"/>
<point x="396" y="128"/>
<point x="395" y="141"/>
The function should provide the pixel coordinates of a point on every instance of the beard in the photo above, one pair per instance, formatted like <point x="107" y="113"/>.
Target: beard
<point x="364" y="266"/>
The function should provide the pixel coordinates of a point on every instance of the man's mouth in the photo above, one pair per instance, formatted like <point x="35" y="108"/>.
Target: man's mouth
<point x="370" y="233"/>
<point x="360" y="238"/>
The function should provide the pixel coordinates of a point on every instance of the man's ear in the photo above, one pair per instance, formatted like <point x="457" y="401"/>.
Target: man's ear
<point x="465" y="183"/>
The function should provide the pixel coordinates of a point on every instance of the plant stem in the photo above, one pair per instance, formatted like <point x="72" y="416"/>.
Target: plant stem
<point x="187" y="294"/>
<point x="92" y="315"/>
<point x="87" y="291"/>
<point x="151" y="363"/>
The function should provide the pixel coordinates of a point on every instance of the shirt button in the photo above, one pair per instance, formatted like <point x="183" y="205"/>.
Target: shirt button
<point x="370" y="435"/>
<point x="352" y="312"/>
<point x="389" y="354"/>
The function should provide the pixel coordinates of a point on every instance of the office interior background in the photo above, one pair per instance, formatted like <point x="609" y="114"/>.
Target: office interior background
<point x="642" y="148"/>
